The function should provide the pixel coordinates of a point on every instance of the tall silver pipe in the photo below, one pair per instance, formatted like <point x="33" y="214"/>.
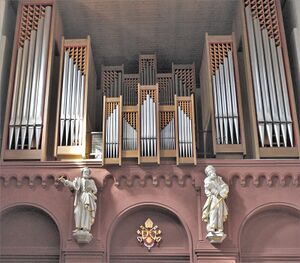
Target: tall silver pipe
<point x="282" y="116"/>
<point x="73" y="103"/>
<point x="255" y="75"/>
<point x="63" y="97"/>
<point x="154" y="127"/>
<point x="228" y="98"/>
<point x="179" y="131"/>
<point x="234" y="96"/>
<point x="285" y="95"/>
<point x="224" y="102"/>
<point x="81" y="110"/>
<point x="15" y="96"/>
<point x="77" y="107"/>
<point x="28" y="87"/>
<point x="263" y="79"/>
<point x="42" y="79"/>
<point x="106" y="137"/>
<point x="35" y="82"/>
<point x="21" y="92"/>
<point x="271" y="87"/>
<point x="220" y="107"/>
<point x="69" y="99"/>
<point x="117" y="132"/>
<point x="216" y="109"/>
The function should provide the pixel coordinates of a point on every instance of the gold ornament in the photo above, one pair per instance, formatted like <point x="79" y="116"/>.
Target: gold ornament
<point x="149" y="235"/>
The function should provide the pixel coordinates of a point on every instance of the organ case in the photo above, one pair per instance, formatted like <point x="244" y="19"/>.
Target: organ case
<point x="271" y="109"/>
<point x="221" y="98"/>
<point x="27" y="133"/>
<point x="76" y="99"/>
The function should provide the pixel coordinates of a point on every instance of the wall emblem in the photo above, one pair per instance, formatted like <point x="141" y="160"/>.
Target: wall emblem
<point x="149" y="235"/>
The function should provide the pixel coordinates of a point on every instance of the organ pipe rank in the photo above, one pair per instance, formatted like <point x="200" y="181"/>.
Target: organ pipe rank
<point x="149" y="115"/>
<point x="269" y="86"/>
<point x="222" y="111"/>
<point x="25" y="135"/>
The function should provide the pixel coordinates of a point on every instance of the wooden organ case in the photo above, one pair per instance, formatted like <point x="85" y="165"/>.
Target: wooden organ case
<point x="221" y="98"/>
<point x="26" y="128"/>
<point x="76" y="97"/>
<point x="272" y="131"/>
<point x="149" y="115"/>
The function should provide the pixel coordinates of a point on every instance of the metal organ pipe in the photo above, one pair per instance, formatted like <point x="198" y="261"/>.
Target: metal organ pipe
<point x="234" y="96"/>
<point x="28" y="86"/>
<point x="21" y="92"/>
<point x="256" y="79"/>
<point x="42" y="77"/>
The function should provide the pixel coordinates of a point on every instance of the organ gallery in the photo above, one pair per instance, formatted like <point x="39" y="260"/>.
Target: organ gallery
<point x="150" y="131"/>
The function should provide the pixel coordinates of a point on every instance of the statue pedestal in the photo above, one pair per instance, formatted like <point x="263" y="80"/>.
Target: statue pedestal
<point x="82" y="237"/>
<point x="216" y="237"/>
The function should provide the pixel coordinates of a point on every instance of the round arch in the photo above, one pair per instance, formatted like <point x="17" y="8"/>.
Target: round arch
<point x="270" y="231"/>
<point x="26" y="226"/>
<point x="139" y="208"/>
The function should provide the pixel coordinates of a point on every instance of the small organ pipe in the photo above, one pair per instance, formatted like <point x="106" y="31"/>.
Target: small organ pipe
<point x="77" y="108"/>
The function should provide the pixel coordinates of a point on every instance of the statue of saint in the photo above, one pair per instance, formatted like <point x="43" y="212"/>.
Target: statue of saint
<point x="215" y="210"/>
<point x="85" y="200"/>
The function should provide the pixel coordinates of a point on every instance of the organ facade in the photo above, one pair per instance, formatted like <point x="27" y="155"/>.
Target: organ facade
<point x="147" y="125"/>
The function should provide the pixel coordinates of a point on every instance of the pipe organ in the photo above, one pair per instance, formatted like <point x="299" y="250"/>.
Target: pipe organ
<point x="269" y="85"/>
<point x="221" y="108"/>
<point x="154" y="115"/>
<point x="76" y="99"/>
<point x="26" y="123"/>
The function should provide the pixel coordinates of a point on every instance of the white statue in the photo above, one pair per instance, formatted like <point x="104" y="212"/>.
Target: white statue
<point x="84" y="204"/>
<point x="215" y="210"/>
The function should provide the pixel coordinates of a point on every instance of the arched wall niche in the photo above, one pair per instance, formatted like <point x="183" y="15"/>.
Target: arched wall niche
<point x="122" y="244"/>
<point x="271" y="233"/>
<point x="30" y="235"/>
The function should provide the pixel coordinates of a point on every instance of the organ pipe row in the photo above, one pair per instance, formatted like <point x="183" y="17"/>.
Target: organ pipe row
<point x="152" y="125"/>
<point x="75" y="100"/>
<point x="27" y="120"/>
<point x="222" y="112"/>
<point x="269" y="79"/>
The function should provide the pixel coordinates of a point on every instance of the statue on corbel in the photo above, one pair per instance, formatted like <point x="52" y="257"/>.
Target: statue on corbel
<point x="215" y="211"/>
<point x="84" y="204"/>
